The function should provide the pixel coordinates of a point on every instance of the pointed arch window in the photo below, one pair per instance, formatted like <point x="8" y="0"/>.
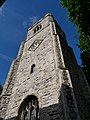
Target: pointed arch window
<point x="29" y="109"/>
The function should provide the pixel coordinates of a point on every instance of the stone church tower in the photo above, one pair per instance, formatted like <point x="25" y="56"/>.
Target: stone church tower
<point x="45" y="81"/>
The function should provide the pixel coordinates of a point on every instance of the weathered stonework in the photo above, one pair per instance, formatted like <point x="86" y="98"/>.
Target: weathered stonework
<point x="45" y="72"/>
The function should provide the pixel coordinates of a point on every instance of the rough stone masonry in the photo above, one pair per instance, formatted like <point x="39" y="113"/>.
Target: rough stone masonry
<point x="45" y="81"/>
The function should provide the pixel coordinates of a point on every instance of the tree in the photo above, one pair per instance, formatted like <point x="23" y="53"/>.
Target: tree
<point x="1" y="88"/>
<point x="79" y="14"/>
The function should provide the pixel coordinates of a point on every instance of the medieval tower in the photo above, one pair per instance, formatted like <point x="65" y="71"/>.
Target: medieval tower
<point x="45" y="81"/>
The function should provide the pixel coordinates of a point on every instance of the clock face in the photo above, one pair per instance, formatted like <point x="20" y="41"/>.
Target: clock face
<point x="34" y="45"/>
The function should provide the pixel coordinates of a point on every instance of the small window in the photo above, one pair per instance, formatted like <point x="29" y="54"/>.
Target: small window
<point x="37" y="28"/>
<point x="34" y="30"/>
<point x="32" y="68"/>
<point x="40" y="26"/>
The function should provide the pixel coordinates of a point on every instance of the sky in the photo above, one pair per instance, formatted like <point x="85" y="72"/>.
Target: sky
<point x="16" y="16"/>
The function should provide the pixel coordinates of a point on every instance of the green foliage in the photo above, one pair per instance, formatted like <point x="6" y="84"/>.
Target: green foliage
<point x="84" y="42"/>
<point x="1" y="88"/>
<point x="79" y="14"/>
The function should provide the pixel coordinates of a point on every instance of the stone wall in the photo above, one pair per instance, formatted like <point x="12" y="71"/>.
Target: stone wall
<point x="80" y="85"/>
<point x="7" y="90"/>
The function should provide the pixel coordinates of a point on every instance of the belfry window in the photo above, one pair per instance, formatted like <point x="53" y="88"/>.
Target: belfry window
<point x="32" y="68"/>
<point x="29" y="109"/>
<point x="37" y="28"/>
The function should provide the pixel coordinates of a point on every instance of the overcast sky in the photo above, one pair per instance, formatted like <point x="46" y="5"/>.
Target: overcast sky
<point x="15" y="18"/>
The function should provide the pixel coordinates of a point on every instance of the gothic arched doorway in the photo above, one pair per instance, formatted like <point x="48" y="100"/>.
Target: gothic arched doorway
<point x="29" y="109"/>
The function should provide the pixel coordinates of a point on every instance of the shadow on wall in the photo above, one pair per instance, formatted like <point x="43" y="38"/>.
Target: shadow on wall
<point x="30" y="108"/>
<point x="53" y="112"/>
